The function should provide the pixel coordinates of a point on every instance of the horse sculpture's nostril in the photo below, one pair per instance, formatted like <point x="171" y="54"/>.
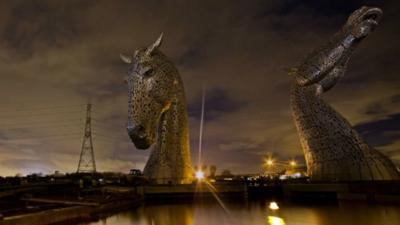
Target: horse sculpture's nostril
<point x="372" y="16"/>
<point x="137" y="131"/>
<point x="139" y="137"/>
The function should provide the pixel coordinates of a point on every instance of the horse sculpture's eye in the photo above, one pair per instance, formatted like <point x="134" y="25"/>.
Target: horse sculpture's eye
<point x="148" y="71"/>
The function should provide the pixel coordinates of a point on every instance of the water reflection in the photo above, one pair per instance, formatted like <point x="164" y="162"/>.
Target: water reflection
<point x="177" y="214"/>
<point x="274" y="220"/>
<point x="254" y="213"/>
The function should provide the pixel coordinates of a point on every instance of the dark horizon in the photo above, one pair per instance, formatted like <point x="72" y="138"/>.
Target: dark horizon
<point x="57" y="55"/>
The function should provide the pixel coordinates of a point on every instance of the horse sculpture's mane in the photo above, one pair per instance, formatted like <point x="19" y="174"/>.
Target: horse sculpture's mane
<point x="158" y="114"/>
<point x="332" y="148"/>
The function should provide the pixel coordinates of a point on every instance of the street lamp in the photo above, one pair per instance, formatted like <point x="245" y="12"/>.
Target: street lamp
<point x="269" y="162"/>
<point x="199" y="175"/>
<point x="293" y="163"/>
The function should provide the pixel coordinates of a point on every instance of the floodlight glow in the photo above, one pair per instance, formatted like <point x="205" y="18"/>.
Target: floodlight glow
<point x="199" y="175"/>
<point x="273" y="206"/>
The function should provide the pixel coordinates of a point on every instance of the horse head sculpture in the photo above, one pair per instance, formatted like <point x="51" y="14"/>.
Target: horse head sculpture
<point x="326" y="65"/>
<point x="333" y="149"/>
<point x="157" y="114"/>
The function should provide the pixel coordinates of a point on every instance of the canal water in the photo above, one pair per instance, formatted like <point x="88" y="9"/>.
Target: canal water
<point x="255" y="213"/>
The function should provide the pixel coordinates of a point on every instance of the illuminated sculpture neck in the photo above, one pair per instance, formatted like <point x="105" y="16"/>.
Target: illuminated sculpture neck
<point x="169" y="161"/>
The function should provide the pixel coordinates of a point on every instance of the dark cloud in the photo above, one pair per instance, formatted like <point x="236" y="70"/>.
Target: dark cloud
<point x="190" y="58"/>
<point x="381" y="132"/>
<point x="33" y="25"/>
<point x="3" y="136"/>
<point x="218" y="103"/>
<point x="329" y="7"/>
<point x="375" y="108"/>
<point x="395" y="99"/>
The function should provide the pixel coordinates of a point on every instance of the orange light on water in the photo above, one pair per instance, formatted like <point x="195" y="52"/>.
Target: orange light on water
<point x="274" y="220"/>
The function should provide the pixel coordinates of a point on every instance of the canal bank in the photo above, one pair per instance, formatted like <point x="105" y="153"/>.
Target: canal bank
<point x="50" y="209"/>
<point x="64" y="214"/>
<point x="370" y="192"/>
<point x="366" y="191"/>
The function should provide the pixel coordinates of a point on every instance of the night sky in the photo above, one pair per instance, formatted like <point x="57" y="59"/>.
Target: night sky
<point x="55" y="55"/>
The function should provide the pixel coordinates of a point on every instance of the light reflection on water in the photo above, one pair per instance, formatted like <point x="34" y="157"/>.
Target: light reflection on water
<point x="274" y="220"/>
<point x="255" y="213"/>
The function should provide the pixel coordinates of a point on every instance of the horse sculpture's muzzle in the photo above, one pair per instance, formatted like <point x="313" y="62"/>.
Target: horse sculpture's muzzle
<point x="139" y="136"/>
<point x="365" y="21"/>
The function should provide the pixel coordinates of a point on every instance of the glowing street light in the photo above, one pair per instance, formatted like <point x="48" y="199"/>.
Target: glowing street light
<point x="293" y="163"/>
<point x="273" y="206"/>
<point x="270" y="162"/>
<point x="199" y="175"/>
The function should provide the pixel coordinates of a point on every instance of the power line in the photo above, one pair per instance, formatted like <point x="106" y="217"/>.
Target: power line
<point x="31" y="120"/>
<point x="29" y="109"/>
<point x="70" y="139"/>
<point x="116" y="139"/>
<point x="110" y="133"/>
<point x="41" y="122"/>
<point x="107" y="126"/>
<point x="96" y="120"/>
<point x="38" y="137"/>
<point x="109" y="141"/>
<point x="56" y="125"/>
<point x="41" y="114"/>
<point x="46" y="126"/>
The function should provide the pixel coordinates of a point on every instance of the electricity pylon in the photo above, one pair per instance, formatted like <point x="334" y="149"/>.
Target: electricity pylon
<point x="87" y="163"/>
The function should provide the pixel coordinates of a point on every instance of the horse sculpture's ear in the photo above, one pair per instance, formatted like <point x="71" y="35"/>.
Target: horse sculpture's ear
<point x="125" y="58"/>
<point x="155" y="45"/>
